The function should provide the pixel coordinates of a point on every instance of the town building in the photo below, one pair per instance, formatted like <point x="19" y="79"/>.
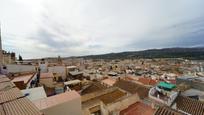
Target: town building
<point x="107" y="102"/>
<point x="59" y="71"/>
<point x="18" y="69"/>
<point x="47" y="79"/>
<point x="68" y="103"/>
<point x="163" y="93"/>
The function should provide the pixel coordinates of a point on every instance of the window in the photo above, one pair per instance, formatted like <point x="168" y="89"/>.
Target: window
<point x="4" y="67"/>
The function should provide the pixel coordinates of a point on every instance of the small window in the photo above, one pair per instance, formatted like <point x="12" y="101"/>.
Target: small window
<point x="4" y="67"/>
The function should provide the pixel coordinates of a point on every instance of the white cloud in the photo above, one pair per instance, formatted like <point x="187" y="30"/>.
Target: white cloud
<point x="43" y="28"/>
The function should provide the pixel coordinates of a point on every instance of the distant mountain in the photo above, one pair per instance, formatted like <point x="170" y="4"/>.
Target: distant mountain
<point x="187" y="53"/>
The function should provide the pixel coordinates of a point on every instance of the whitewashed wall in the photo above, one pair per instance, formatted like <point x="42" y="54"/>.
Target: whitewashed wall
<point x="61" y="70"/>
<point x="12" y="68"/>
<point x="43" y="68"/>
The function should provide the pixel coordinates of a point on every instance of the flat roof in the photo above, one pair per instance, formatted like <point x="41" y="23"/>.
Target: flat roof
<point x="24" y="78"/>
<point x="107" y="96"/>
<point x="112" y="73"/>
<point x="71" y="67"/>
<point x="186" y="77"/>
<point x="35" y="93"/>
<point x="1" y="75"/>
<point x="112" y="96"/>
<point x="72" y="82"/>
<point x="109" y="81"/>
<point x="133" y="88"/>
<point x="200" y="79"/>
<point x="147" y="81"/>
<point x="75" y="73"/>
<point x="193" y="92"/>
<point x="46" y="75"/>
<point x="56" y="100"/>
<point x="138" y="108"/>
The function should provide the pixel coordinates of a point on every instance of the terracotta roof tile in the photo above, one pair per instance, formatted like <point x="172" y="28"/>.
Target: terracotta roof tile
<point x="6" y="85"/>
<point x="12" y="101"/>
<point x="10" y="94"/>
<point x="4" y="79"/>
<point x="138" y="108"/>
<point x="2" y="110"/>
<point x="166" y="111"/>
<point x="147" y="81"/>
<point x="191" y="106"/>
<point x="21" y="106"/>
<point x="143" y="80"/>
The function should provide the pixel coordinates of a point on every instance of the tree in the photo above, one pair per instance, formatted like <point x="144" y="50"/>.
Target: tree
<point x="20" y="58"/>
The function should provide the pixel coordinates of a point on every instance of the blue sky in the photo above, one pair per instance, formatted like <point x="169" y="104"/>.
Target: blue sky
<point x="44" y="28"/>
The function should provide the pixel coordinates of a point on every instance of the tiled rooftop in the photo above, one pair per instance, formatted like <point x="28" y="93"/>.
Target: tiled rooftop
<point x="4" y="79"/>
<point x="6" y="85"/>
<point x="20" y="106"/>
<point x="147" y="81"/>
<point x="10" y="94"/>
<point x="191" y="106"/>
<point x="1" y="110"/>
<point x="132" y="88"/>
<point x="138" y="108"/>
<point x="166" y="111"/>
<point x="12" y="101"/>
